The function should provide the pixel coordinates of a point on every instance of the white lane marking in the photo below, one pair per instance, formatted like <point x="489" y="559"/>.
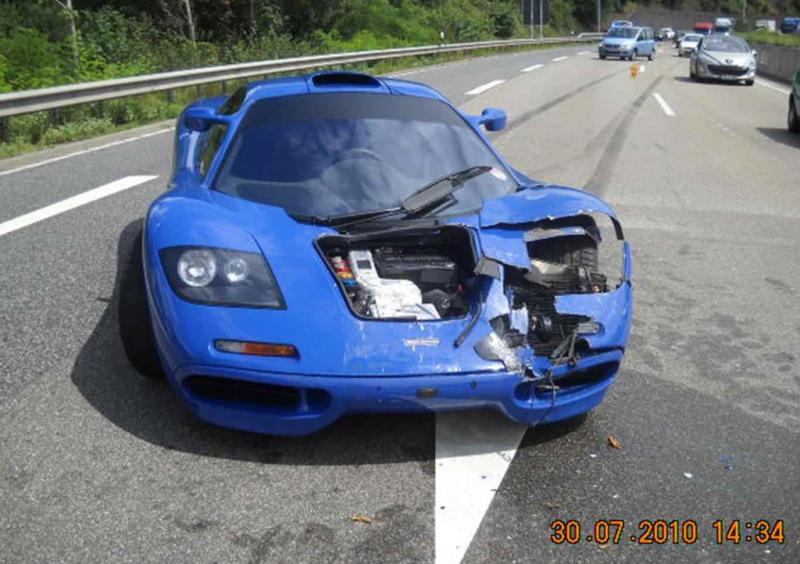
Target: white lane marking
<point x="473" y="452"/>
<point x="85" y="151"/>
<point x="663" y="104"/>
<point x="560" y="59"/>
<point x="765" y="84"/>
<point x="531" y="68"/>
<point x="585" y="53"/>
<point x="484" y="87"/>
<point x="71" y="203"/>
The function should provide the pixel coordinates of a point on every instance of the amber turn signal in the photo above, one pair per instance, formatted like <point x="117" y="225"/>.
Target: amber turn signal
<point x="256" y="349"/>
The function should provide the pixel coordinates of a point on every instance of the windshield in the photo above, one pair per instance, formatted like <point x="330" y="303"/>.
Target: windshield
<point x="725" y="44"/>
<point x="331" y="154"/>
<point x="692" y="38"/>
<point x="624" y="32"/>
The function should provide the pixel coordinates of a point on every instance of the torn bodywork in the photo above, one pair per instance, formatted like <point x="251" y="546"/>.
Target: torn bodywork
<point x="560" y="312"/>
<point x="537" y="311"/>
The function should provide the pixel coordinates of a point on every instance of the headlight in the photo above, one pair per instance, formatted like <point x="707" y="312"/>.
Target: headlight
<point x="221" y="277"/>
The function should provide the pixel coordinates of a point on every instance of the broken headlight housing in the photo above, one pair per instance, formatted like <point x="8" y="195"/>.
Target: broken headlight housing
<point x="214" y="276"/>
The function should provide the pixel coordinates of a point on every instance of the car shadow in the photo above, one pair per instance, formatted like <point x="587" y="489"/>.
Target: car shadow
<point x="781" y="135"/>
<point x="149" y="410"/>
<point x="708" y="81"/>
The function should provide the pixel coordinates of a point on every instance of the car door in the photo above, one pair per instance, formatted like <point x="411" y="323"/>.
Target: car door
<point x="648" y="41"/>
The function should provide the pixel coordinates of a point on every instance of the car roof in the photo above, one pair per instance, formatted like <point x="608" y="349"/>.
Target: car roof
<point x="326" y="82"/>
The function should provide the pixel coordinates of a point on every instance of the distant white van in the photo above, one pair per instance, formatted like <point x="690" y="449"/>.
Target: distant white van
<point x="723" y="26"/>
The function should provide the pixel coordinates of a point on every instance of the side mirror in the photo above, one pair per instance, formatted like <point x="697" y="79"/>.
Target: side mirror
<point x="200" y="118"/>
<point x="493" y="119"/>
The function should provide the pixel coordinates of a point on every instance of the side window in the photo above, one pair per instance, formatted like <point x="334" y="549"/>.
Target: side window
<point x="209" y="147"/>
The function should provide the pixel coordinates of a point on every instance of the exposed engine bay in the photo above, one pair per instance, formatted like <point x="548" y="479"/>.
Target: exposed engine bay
<point x="421" y="275"/>
<point x="434" y="273"/>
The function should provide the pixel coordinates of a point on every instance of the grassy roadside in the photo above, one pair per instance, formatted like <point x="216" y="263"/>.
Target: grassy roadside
<point x="772" y="38"/>
<point x="41" y="130"/>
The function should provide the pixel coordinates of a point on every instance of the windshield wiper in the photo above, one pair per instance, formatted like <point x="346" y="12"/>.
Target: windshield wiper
<point x="425" y="199"/>
<point x="436" y="192"/>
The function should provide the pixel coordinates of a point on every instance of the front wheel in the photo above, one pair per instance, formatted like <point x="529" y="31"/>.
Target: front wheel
<point x="603" y="57"/>
<point x="133" y="314"/>
<point x="650" y="57"/>
<point x="793" y="119"/>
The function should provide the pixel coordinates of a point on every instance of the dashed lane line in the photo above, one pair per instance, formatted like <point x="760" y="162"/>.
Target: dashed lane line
<point x="71" y="203"/>
<point x="84" y="151"/>
<point x="663" y="104"/>
<point x="484" y="87"/>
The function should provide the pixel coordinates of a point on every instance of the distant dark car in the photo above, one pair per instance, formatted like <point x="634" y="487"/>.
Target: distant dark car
<point x="790" y="25"/>
<point x="794" y="104"/>
<point x="678" y="36"/>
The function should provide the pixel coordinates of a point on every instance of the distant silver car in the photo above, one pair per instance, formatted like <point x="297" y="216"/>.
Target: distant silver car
<point x="689" y="43"/>
<point x="724" y="57"/>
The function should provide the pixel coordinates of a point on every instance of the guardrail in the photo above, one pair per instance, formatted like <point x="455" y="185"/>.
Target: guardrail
<point x="27" y="101"/>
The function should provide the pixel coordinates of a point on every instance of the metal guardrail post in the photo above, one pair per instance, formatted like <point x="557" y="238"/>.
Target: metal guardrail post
<point x="5" y="129"/>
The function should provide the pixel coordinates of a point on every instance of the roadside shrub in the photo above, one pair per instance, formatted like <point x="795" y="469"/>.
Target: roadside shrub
<point x="75" y="130"/>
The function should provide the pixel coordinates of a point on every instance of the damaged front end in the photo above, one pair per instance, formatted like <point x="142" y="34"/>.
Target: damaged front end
<point x="544" y="296"/>
<point x="559" y="306"/>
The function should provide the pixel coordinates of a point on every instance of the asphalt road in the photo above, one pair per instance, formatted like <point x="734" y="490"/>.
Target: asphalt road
<point x="99" y="464"/>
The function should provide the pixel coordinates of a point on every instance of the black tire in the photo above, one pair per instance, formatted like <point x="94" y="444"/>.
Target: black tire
<point x="603" y="57"/>
<point x="650" y="57"/>
<point x="793" y="120"/>
<point x="133" y="314"/>
<point x="749" y="82"/>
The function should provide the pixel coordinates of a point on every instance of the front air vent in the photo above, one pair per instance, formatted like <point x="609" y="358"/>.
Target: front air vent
<point x="324" y="79"/>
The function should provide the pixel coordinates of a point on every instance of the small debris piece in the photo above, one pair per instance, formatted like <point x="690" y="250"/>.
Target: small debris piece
<point x="552" y="505"/>
<point x="614" y="442"/>
<point x="362" y="519"/>
<point x="592" y="456"/>
<point x="688" y="475"/>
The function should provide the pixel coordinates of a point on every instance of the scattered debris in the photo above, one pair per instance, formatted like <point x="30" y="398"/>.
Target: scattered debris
<point x="614" y="442"/>
<point x="688" y="475"/>
<point x="552" y="505"/>
<point x="615" y="496"/>
<point x="592" y="456"/>
<point x="727" y="460"/>
<point x="366" y="519"/>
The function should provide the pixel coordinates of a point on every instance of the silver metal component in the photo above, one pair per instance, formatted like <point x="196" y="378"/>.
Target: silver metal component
<point x="492" y="347"/>
<point x="388" y="298"/>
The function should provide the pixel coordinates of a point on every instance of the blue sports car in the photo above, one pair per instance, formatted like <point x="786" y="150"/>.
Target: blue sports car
<point x="341" y="243"/>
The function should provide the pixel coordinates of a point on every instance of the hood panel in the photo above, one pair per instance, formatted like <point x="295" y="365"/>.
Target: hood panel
<point x="538" y="203"/>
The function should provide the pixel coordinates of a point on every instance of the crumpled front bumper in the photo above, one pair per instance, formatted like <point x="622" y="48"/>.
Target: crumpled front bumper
<point x="322" y="400"/>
